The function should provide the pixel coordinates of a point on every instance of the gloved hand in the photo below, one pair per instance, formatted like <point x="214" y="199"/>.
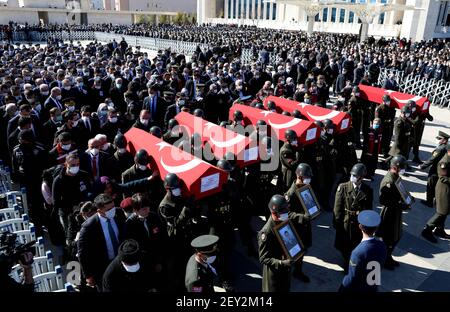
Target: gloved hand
<point x="286" y="263"/>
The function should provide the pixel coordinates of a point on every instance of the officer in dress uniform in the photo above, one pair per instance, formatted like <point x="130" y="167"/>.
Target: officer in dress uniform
<point x="386" y="113"/>
<point x="289" y="157"/>
<point x="372" y="148"/>
<point x="390" y="229"/>
<point x="418" y="122"/>
<point x="436" y="156"/>
<point x="403" y="132"/>
<point x="352" y="197"/>
<point x="437" y="221"/>
<point x="355" y="110"/>
<point x="304" y="175"/>
<point x="276" y="266"/>
<point x="200" y="272"/>
<point x="370" y="249"/>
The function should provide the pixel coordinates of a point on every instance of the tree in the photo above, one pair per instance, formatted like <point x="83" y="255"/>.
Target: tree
<point x="179" y="18"/>
<point x="163" y="19"/>
<point x="141" y="19"/>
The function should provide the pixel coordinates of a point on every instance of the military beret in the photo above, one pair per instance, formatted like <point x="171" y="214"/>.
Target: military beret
<point x="205" y="243"/>
<point x="369" y="218"/>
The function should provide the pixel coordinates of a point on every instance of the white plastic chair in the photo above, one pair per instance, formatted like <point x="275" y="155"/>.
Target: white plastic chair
<point x="14" y="225"/>
<point x="40" y="265"/>
<point x="40" y="248"/>
<point x="26" y="236"/>
<point x="50" y="281"/>
<point x="10" y="213"/>
<point x="68" y="287"/>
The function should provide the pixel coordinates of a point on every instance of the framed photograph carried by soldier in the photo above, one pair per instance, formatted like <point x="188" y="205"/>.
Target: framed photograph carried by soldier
<point x="309" y="201"/>
<point x="289" y="240"/>
<point x="406" y="196"/>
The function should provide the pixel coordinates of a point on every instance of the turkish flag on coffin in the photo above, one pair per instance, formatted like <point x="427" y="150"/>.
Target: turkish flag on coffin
<point x="398" y="99"/>
<point x="198" y="177"/>
<point x="221" y="139"/>
<point x="312" y="113"/>
<point x="307" y="131"/>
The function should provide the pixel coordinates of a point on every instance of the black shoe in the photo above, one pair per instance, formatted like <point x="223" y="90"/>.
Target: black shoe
<point x="426" y="203"/>
<point x="441" y="233"/>
<point x="417" y="160"/>
<point x="428" y="235"/>
<point x="302" y="277"/>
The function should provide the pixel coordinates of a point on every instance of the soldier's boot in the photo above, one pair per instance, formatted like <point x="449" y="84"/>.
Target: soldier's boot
<point x="298" y="272"/>
<point x="440" y="232"/>
<point x="427" y="233"/>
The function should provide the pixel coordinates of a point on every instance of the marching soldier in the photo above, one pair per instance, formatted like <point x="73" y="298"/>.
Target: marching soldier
<point x="237" y="123"/>
<point x="390" y="229"/>
<point x="372" y="148"/>
<point x="352" y="197"/>
<point x="436" y="156"/>
<point x="355" y="110"/>
<point x="121" y="160"/>
<point x="437" y="221"/>
<point x="304" y="175"/>
<point x="276" y="267"/>
<point x="331" y="157"/>
<point x="418" y="121"/>
<point x="386" y="113"/>
<point x="402" y="132"/>
<point x="289" y="157"/>
<point x="200" y="272"/>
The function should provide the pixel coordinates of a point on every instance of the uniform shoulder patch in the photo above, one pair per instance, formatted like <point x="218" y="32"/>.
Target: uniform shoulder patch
<point x="263" y="237"/>
<point x="388" y="185"/>
<point x="435" y="153"/>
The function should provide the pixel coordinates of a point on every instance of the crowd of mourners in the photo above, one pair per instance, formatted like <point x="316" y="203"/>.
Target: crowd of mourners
<point x="65" y="108"/>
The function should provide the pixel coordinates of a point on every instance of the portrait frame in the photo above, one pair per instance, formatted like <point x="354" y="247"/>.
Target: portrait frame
<point x="312" y="210"/>
<point x="293" y="248"/>
<point x="407" y="198"/>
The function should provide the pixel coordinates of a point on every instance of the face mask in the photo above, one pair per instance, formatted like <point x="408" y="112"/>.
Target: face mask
<point x="307" y="101"/>
<point x="38" y="107"/>
<point x="131" y="268"/>
<point x="122" y="150"/>
<point x="330" y="131"/>
<point x="144" y="121"/>
<point x="376" y="126"/>
<point x="111" y="213"/>
<point x="74" y="170"/>
<point x="402" y="172"/>
<point x="44" y="93"/>
<point x="413" y="109"/>
<point x="118" y="86"/>
<point x="307" y="181"/>
<point x="387" y="103"/>
<point x="71" y="108"/>
<point x="353" y="179"/>
<point x="142" y="167"/>
<point x="113" y="119"/>
<point x="67" y="88"/>
<point x="75" y="123"/>
<point x="357" y="94"/>
<point x="284" y="216"/>
<point x="407" y="115"/>
<point x="80" y="84"/>
<point x="94" y="151"/>
<point x="103" y="113"/>
<point x="294" y="143"/>
<point x="58" y="97"/>
<point x="58" y="118"/>
<point x="210" y="259"/>
<point x="66" y="147"/>
<point x="181" y="102"/>
<point x="176" y="192"/>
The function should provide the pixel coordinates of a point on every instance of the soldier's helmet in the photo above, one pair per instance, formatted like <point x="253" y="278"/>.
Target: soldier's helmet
<point x="224" y="124"/>
<point x="406" y="109"/>
<point x="356" y="89"/>
<point x="261" y="122"/>
<point x="328" y="124"/>
<point x="172" y="123"/>
<point x="238" y="116"/>
<point x="120" y="141"/>
<point x="259" y="106"/>
<point x="231" y="158"/>
<point x="398" y="161"/>
<point x="411" y="103"/>
<point x="224" y="165"/>
<point x="296" y="114"/>
<point x="141" y="157"/>
<point x="386" y="98"/>
<point x="359" y="170"/>
<point x="278" y="204"/>
<point x="171" y="181"/>
<point x="290" y="135"/>
<point x="304" y="170"/>
<point x="196" y="139"/>
<point x="286" y="113"/>
<point x="319" y="124"/>
<point x="199" y="113"/>
<point x="156" y="131"/>
<point x="271" y="105"/>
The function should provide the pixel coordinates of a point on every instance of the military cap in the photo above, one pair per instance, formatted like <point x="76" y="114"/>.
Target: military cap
<point x="129" y="251"/>
<point x="442" y="135"/>
<point x="369" y="218"/>
<point x="205" y="243"/>
<point x="127" y="204"/>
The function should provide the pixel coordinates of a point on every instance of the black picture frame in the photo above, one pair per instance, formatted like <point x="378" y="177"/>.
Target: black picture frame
<point x="404" y="193"/>
<point x="309" y="201"/>
<point x="289" y="240"/>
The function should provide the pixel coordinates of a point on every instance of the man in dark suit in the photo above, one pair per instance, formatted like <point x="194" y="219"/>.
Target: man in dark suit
<point x="144" y="122"/>
<point x="88" y="126"/>
<point x="13" y="139"/>
<point x="121" y="160"/>
<point x="390" y="83"/>
<point x="365" y="257"/>
<point x="24" y="111"/>
<point x="192" y="86"/>
<point x="54" y="100"/>
<point x="100" y="237"/>
<point x="174" y="109"/>
<point x="93" y="160"/>
<point x="156" y="106"/>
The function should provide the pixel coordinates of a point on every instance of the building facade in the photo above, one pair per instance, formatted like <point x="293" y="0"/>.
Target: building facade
<point x="428" y="19"/>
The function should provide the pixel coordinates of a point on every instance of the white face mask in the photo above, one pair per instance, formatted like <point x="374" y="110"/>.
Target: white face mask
<point x="113" y="119"/>
<point x="307" y="181"/>
<point x="294" y="143"/>
<point x="402" y="171"/>
<point x="144" y="121"/>
<point x="122" y="150"/>
<point x="75" y="123"/>
<point x="58" y="97"/>
<point x="94" y="151"/>
<point x="211" y="259"/>
<point x="105" y="147"/>
<point x="176" y="191"/>
<point x="353" y="179"/>
<point x="38" y="107"/>
<point x="45" y="93"/>
<point x="284" y="217"/>
<point x="142" y="167"/>
<point x="71" y="108"/>
<point x="111" y="213"/>
<point x="330" y="131"/>
<point x="66" y="147"/>
<point x="74" y="170"/>
<point x="407" y="115"/>
<point x="131" y="268"/>
<point x="85" y="118"/>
